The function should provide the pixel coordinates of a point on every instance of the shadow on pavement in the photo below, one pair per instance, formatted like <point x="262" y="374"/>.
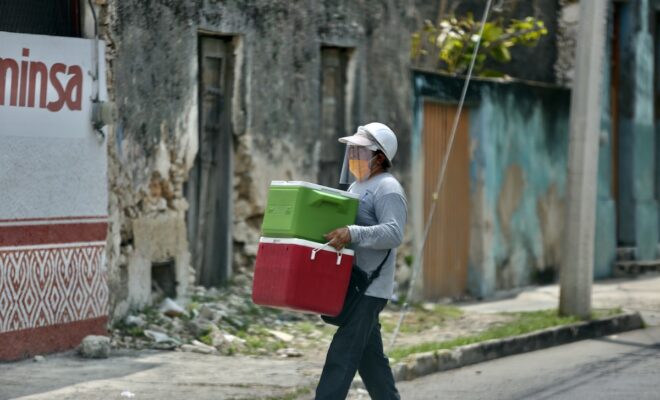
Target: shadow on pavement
<point x="27" y="377"/>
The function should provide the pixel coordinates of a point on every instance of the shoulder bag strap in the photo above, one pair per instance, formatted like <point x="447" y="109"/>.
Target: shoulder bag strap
<point x="376" y="273"/>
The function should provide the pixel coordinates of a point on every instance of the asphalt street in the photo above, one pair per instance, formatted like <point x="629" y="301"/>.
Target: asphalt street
<point x="625" y="366"/>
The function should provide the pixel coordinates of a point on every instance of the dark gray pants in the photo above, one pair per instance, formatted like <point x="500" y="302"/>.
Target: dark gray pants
<point x="358" y="346"/>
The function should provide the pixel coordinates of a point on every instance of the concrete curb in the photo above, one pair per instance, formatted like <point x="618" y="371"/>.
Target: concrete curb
<point x="442" y="360"/>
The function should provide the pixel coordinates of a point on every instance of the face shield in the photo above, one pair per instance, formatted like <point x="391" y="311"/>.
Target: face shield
<point x="358" y="161"/>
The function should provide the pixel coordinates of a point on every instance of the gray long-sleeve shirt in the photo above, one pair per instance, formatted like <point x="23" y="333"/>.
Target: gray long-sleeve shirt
<point x="378" y="227"/>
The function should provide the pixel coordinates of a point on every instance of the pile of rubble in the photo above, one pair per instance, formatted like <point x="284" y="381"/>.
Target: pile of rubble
<point x="225" y="321"/>
<point x="221" y="321"/>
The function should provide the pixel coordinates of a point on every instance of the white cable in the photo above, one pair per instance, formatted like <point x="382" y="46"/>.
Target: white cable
<point x="418" y="258"/>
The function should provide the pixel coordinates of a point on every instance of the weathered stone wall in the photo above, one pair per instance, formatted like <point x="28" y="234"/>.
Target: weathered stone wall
<point x="275" y="112"/>
<point x="567" y="28"/>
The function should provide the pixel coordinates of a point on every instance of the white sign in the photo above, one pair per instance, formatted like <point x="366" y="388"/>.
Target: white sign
<point x="52" y="163"/>
<point x="47" y="86"/>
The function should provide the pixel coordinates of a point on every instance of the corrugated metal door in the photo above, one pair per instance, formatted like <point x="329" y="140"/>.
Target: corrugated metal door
<point x="446" y="251"/>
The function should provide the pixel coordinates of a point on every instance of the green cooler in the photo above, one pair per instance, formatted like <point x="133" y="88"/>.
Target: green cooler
<point x="307" y="211"/>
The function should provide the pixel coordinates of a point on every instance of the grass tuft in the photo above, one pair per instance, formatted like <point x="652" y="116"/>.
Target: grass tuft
<point x="524" y="322"/>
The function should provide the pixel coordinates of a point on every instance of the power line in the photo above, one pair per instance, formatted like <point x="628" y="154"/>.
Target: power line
<point x="418" y="258"/>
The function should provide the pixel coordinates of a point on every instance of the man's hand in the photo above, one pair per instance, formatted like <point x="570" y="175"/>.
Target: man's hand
<point x="339" y="238"/>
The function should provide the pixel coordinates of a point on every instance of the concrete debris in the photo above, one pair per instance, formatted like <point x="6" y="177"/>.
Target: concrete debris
<point x="203" y="346"/>
<point x="39" y="359"/>
<point x="170" y="308"/>
<point x="206" y="312"/>
<point x="285" y="337"/>
<point x="198" y="347"/>
<point x="127" y="394"/>
<point x="156" y="328"/>
<point x="159" y="337"/>
<point x="224" y="321"/>
<point x="289" y="353"/>
<point x="188" y="348"/>
<point x="95" y="347"/>
<point x="218" y="339"/>
<point x="231" y="339"/>
<point x="164" y="346"/>
<point x="200" y="327"/>
<point x="133" y="320"/>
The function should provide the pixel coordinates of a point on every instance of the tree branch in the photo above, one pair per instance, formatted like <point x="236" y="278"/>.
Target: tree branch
<point x="508" y="36"/>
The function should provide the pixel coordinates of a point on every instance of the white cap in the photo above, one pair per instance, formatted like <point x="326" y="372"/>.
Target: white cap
<point x="360" y="138"/>
<point x="374" y="136"/>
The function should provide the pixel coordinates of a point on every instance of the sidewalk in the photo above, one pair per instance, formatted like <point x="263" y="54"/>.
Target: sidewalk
<point x="150" y="374"/>
<point x="642" y="295"/>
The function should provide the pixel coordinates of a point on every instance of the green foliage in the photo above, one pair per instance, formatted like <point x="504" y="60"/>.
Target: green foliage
<point x="152" y="316"/>
<point x="134" y="331"/>
<point x="257" y="338"/>
<point x="452" y="42"/>
<point x="420" y="319"/>
<point x="605" y="312"/>
<point x="206" y="339"/>
<point x="525" y="322"/>
<point x="305" y="327"/>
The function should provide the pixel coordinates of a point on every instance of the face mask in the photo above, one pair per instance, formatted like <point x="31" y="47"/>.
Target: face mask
<point x="360" y="169"/>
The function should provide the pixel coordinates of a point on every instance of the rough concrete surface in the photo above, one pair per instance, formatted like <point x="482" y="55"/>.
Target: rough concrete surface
<point x="180" y="375"/>
<point x="154" y="375"/>
<point x="642" y="295"/>
<point x="428" y="363"/>
<point x="623" y="366"/>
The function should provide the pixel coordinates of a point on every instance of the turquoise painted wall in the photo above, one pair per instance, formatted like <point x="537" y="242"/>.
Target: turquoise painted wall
<point x="606" y="225"/>
<point x="519" y="149"/>
<point x="520" y="136"/>
<point x="638" y="206"/>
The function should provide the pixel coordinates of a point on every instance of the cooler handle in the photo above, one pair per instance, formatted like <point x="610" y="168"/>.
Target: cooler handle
<point x="314" y="251"/>
<point x="332" y="199"/>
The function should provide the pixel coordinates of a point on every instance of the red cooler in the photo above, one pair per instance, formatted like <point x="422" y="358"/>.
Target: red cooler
<point x="301" y="275"/>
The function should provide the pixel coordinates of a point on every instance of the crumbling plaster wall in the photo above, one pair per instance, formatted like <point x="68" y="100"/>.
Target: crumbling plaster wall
<point x="275" y="112"/>
<point x="151" y="146"/>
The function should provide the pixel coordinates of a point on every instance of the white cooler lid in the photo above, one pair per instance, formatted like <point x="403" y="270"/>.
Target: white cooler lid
<point x="314" y="186"/>
<point x="305" y="243"/>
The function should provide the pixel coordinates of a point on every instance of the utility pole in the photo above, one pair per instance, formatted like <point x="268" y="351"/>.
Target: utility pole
<point x="576" y="273"/>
